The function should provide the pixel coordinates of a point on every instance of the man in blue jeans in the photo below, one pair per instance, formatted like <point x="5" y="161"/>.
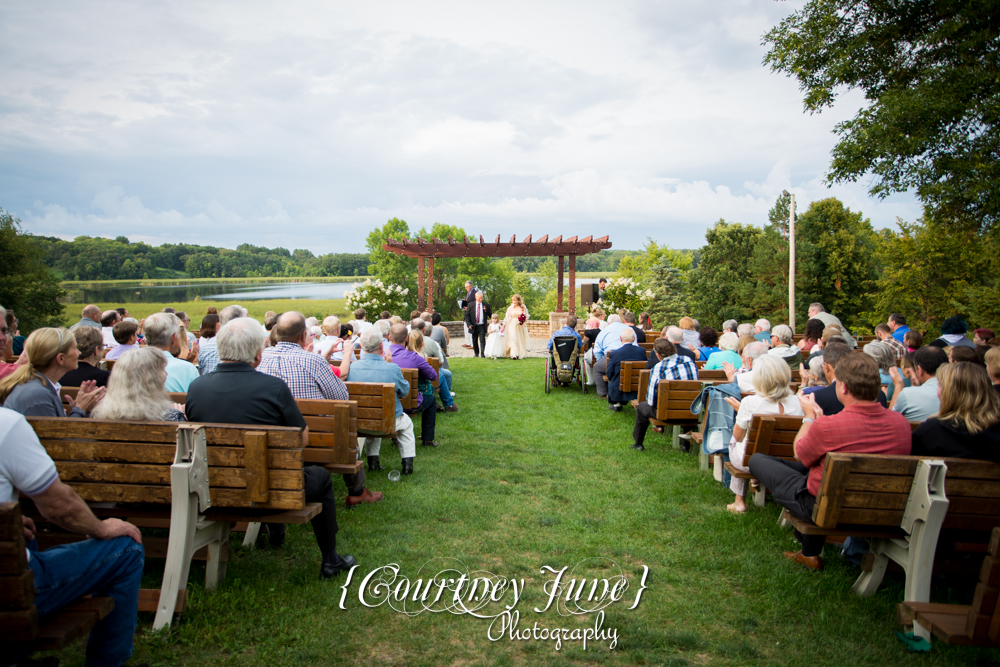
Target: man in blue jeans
<point x="107" y="565"/>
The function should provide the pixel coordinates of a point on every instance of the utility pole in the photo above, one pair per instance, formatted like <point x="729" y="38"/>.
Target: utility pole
<point x="791" y="260"/>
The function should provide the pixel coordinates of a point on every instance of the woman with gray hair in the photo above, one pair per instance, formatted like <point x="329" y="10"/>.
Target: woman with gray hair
<point x="814" y="377"/>
<point x="90" y="342"/>
<point x="135" y="391"/>
<point x="771" y="377"/>
<point x="781" y="346"/>
<point x="885" y="357"/>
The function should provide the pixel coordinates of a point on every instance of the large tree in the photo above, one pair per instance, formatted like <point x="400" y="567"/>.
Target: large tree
<point x="930" y="71"/>
<point x="721" y="287"/>
<point x="26" y="286"/>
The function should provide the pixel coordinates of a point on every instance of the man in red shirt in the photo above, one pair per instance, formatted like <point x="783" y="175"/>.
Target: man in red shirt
<point x="864" y="426"/>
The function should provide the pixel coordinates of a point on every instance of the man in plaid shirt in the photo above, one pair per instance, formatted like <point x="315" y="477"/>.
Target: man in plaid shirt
<point x="884" y="334"/>
<point x="671" y="366"/>
<point x="309" y="376"/>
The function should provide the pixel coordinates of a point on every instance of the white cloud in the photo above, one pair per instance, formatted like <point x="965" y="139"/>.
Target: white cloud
<point x="246" y="122"/>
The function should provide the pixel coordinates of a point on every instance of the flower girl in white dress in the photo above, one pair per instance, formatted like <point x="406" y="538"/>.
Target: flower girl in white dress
<point x="496" y="343"/>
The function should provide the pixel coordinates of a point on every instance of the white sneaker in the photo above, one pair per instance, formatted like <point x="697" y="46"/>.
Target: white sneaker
<point x="453" y="394"/>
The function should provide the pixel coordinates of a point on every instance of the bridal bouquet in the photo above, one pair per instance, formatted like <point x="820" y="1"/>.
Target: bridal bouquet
<point x="521" y="318"/>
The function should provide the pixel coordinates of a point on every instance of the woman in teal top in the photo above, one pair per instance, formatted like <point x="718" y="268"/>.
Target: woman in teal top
<point x="728" y="343"/>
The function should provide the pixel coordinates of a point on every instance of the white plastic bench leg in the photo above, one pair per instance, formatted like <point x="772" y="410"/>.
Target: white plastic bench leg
<point x="760" y="496"/>
<point x="717" y="472"/>
<point x="215" y="569"/>
<point x="253" y="530"/>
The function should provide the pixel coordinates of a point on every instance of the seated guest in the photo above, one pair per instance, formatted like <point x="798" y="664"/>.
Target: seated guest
<point x="812" y="335"/>
<point x="109" y="564"/>
<point x="90" y="317"/>
<point x="310" y="377"/>
<point x="440" y="334"/>
<point x="993" y="366"/>
<point x="416" y="342"/>
<point x="817" y="311"/>
<point x="708" y="339"/>
<point x="728" y="343"/>
<point x="359" y="323"/>
<point x="967" y="425"/>
<point x="645" y="323"/>
<point x="33" y="389"/>
<point x="405" y="358"/>
<point x="135" y="390"/>
<point x="15" y="343"/>
<point x="567" y="329"/>
<point x="830" y="335"/>
<point x="609" y="339"/>
<point x="813" y="377"/>
<point x="126" y="335"/>
<point x="863" y="426"/>
<point x="743" y="342"/>
<point x="772" y="396"/>
<point x="729" y="326"/>
<point x="208" y="357"/>
<point x="235" y="393"/>
<point x="331" y="330"/>
<point x="692" y="340"/>
<point x="745" y="329"/>
<point x="189" y="338"/>
<point x="762" y="331"/>
<point x="827" y="398"/>
<point x="89" y="341"/>
<point x="919" y="403"/>
<point x="6" y="341"/>
<point x="109" y="318"/>
<point x="886" y="360"/>
<point x="627" y="352"/>
<point x="670" y="366"/>
<point x="629" y="319"/>
<point x="953" y="334"/>
<point x="912" y="340"/>
<point x="981" y="336"/>
<point x="884" y="335"/>
<point x="743" y="376"/>
<point x="781" y="346"/>
<point x="432" y="349"/>
<point x="163" y="331"/>
<point x="372" y="367"/>
<point x="962" y="353"/>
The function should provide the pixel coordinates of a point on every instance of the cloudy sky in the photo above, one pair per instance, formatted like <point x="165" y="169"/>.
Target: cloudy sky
<point x="305" y="124"/>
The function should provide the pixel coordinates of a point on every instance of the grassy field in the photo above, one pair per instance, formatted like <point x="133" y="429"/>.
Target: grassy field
<point x="319" y="308"/>
<point x="524" y="480"/>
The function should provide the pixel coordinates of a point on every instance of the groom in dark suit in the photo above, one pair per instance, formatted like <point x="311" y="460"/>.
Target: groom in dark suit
<point x="469" y="299"/>
<point x="477" y="319"/>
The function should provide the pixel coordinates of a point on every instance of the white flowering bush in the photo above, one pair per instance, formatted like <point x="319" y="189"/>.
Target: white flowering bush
<point x="626" y="293"/>
<point x="375" y="296"/>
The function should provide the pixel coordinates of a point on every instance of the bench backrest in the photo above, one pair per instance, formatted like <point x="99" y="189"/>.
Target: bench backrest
<point x="435" y="363"/>
<point x="17" y="595"/>
<point x="772" y="435"/>
<point x="628" y="381"/>
<point x="647" y="346"/>
<point x="673" y="398"/>
<point x="105" y="460"/>
<point x="715" y="375"/>
<point x="376" y="406"/>
<point x="873" y="489"/>
<point x="333" y="434"/>
<point x="412" y="375"/>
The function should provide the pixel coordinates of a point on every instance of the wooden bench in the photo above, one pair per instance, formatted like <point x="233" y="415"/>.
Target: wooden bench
<point x="673" y="403"/>
<point x="628" y="379"/>
<point x="200" y="477"/>
<point x="647" y="346"/>
<point x="21" y="631"/>
<point x="769" y="434"/>
<point x="977" y="624"/>
<point x="376" y="407"/>
<point x="435" y="363"/>
<point x="412" y="375"/>
<point x="900" y="503"/>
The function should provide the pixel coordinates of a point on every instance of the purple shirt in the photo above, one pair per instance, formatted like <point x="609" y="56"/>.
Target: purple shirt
<point x="407" y="359"/>
<point x="116" y="352"/>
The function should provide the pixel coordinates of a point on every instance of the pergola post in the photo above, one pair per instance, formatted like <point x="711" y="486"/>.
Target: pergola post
<point x="420" y="283"/>
<point x="572" y="283"/>
<point x="430" y="287"/>
<point x="559" y="287"/>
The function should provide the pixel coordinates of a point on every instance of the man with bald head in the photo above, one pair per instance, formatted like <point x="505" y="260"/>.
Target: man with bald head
<point x="309" y="376"/>
<point x="91" y="317"/>
<point x="426" y="407"/>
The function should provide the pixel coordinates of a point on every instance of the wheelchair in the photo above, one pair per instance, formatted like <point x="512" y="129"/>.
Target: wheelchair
<point x="564" y="364"/>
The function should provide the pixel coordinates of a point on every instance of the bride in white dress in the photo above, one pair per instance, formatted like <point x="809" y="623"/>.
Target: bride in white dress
<point x="496" y="342"/>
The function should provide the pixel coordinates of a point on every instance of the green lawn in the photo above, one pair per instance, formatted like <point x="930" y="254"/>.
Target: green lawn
<point x="523" y="480"/>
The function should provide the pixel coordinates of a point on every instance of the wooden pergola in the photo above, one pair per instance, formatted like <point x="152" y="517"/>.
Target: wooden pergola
<point x="559" y="247"/>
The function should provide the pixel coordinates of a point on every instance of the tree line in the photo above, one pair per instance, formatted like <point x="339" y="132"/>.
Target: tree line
<point x="95" y="258"/>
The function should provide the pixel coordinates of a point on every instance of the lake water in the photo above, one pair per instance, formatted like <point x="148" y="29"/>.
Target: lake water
<point x="235" y="292"/>
<point x="232" y="292"/>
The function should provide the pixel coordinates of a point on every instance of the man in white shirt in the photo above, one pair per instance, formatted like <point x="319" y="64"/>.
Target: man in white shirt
<point x="109" y="318"/>
<point x="163" y="333"/>
<point x="917" y="403"/>
<point x="109" y="564"/>
<point x="358" y="323"/>
<point x="744" y="378"/>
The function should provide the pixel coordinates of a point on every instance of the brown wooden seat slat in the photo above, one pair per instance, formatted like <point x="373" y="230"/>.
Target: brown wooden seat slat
<point x="70" y="472"/>
<point x="376" y="406"/>
<point x="435" y="363"/>
<point x="85" y="450"/>
<point x="412" y="376"/>
<point x="628" y="381"/>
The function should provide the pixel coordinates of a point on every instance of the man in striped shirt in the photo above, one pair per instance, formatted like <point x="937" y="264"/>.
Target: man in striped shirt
<point x="671" y="366"/>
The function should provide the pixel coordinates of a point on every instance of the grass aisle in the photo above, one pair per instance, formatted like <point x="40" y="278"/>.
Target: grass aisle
<point x="523" y="480"/>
